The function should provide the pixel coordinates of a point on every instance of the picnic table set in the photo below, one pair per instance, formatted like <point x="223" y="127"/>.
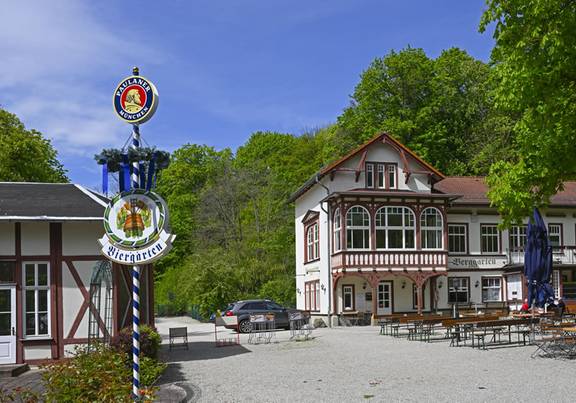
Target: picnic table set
<point x="554" y="336"/>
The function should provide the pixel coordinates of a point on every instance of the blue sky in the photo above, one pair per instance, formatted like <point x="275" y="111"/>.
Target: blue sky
<point x="224" y="69"/>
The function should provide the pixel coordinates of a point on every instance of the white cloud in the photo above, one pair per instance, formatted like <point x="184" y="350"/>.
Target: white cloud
<point x="54" y="53"/>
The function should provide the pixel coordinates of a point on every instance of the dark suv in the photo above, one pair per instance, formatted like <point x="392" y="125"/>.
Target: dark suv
<point x="243" y="309"/>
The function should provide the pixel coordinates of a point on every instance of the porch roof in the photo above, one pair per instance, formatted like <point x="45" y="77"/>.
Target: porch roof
<point x="387" y="194"/>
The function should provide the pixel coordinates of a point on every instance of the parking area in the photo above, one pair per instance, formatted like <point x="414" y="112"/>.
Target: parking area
<point x="353" y="364"/>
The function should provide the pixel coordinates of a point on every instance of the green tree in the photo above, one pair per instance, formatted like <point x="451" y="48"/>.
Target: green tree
<point x="192" y="167"/>
<point x="534" y="60"/>
<point x="26" y="156"/>
<point x="441" y="108"/>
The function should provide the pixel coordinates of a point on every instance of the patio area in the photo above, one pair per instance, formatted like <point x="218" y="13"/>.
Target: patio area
<point x="357" y="364"/>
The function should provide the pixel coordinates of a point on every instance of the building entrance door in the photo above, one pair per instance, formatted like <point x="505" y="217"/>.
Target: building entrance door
<point x="385" y="298"/>
<point x="7" y="324"/>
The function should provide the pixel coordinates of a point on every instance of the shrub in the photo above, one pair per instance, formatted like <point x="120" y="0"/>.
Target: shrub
<point x="95" y="376"/>
<point x="101" y="375"/>
<point x="150" y="342"/>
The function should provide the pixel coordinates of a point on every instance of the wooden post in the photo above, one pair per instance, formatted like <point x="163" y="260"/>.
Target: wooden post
<point x="420" y="297"/>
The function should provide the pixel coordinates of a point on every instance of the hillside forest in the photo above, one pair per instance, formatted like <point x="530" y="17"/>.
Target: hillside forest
<point x="230" y="211"/>
<point x="512" y="119"/>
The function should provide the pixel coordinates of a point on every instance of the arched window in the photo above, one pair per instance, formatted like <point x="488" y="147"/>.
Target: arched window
<point x="395" y="228"/>
<point x="312" y="243"/>
<point x="337" y="230"/>
<point x="357" y="228"/>
<point x="431" y="228"/>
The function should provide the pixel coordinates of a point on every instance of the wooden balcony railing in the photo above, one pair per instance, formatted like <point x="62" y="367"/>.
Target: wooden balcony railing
<point x="383" y="259"/>
<point x="560" y="255"/>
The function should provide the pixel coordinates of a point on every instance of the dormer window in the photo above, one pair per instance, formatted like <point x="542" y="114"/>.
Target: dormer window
<point x="380" y="175"/>
<point x="369" y="175"/>
<point x="391" y="176"/>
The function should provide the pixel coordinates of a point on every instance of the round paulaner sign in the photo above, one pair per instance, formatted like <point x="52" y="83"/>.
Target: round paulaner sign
<point x="135" y="99"/>
<point x="136" y="224"/>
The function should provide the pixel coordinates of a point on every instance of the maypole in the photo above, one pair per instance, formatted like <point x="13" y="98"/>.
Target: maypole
<point x="135" y="272"/>
<point x="136" y="220"/>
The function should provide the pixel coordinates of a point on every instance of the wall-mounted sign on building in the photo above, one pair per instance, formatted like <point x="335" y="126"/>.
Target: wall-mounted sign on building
<point x="476" y="262"/>
<point x="136" y="224"/>
<point x="135" y="99"/>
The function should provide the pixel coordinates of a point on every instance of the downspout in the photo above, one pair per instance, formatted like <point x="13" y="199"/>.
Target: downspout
<point x="329" y="282"/>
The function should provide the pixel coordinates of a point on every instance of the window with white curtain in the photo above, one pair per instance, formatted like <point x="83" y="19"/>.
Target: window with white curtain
<point x="491" y="289"/>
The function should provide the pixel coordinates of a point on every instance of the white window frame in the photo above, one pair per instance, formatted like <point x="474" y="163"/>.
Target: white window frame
<point x="347" y="289"/>
<point x="36" y="288"/>
<point x="337" y="231"/>
<point x="365" y="228"/>
<point x="381" y="176"/>
<point x="382" y="215"/>
<point x="459" y="235"/>
<point x="491" y="286"/>
<point x="517" y="238"/>
<point x="557" y="234"/>
<point x="370" y="175"/>
<point x="312" y="242"/>
<point x="312" y="295"/>
<point x="491" y="235"/>
<point x="391" y="176"/>
<point x="438" y="228"/>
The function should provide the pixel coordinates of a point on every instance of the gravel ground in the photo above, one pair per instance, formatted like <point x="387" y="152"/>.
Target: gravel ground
<point x="358" y="365"/>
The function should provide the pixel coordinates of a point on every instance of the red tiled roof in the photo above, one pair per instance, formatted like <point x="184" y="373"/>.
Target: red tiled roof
<point x="473" y="190"/>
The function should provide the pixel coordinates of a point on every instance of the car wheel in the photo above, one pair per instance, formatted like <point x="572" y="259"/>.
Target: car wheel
<point x="245" y="326"/>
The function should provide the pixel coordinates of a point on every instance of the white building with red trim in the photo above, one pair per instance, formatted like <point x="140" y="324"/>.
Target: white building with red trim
<point x="48" y="254"/>
<point x="382" y="232"/>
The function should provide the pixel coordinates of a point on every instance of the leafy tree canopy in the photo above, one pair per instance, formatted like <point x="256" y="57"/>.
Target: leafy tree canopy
<point x="25" y="155"/>
<point x="441" y="108"/>
<point x="534" y="61"/>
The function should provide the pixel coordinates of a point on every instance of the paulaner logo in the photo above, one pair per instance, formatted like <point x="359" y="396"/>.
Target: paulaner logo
<point x="135" y="99"/>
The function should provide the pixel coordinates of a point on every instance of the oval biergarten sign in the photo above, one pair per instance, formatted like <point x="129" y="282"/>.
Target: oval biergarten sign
<point x="135" y="99"/>
<point x="136" y="225"/>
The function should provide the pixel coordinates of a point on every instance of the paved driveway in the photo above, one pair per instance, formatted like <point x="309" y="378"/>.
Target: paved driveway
<point x="358" y="365"/>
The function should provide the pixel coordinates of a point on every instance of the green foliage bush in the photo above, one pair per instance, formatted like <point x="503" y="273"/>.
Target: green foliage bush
<point x="150" y="341"/>
<point x="102" y="375"/>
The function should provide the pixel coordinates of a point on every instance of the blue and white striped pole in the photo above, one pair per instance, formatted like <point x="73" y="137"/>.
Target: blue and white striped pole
<point x="135" y="284"/>
<point x="135" y="278"/>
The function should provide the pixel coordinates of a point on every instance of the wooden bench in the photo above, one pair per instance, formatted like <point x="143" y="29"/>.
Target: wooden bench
<point x="175" y="333"/>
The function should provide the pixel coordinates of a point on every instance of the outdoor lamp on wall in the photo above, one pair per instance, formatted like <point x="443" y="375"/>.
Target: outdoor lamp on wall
<point x="439" y="283"/>
<point x="298" y="291"/>
<point x="364" y="286"/>
<point x="403" y="284"/>
<point x="477" y="283"/>
<point x="323" y="287"/>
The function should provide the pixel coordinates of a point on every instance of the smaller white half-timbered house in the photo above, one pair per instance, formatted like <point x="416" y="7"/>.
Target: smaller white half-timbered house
<point x="381" y="232"/>
<point x="49" y="257"/>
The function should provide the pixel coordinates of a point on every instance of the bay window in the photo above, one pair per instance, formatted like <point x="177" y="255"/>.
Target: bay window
<point x="337" y="230"/>
<point x="395" y="228"/>
<point x="431" y="228"/>
<point x="357" y="228"/>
